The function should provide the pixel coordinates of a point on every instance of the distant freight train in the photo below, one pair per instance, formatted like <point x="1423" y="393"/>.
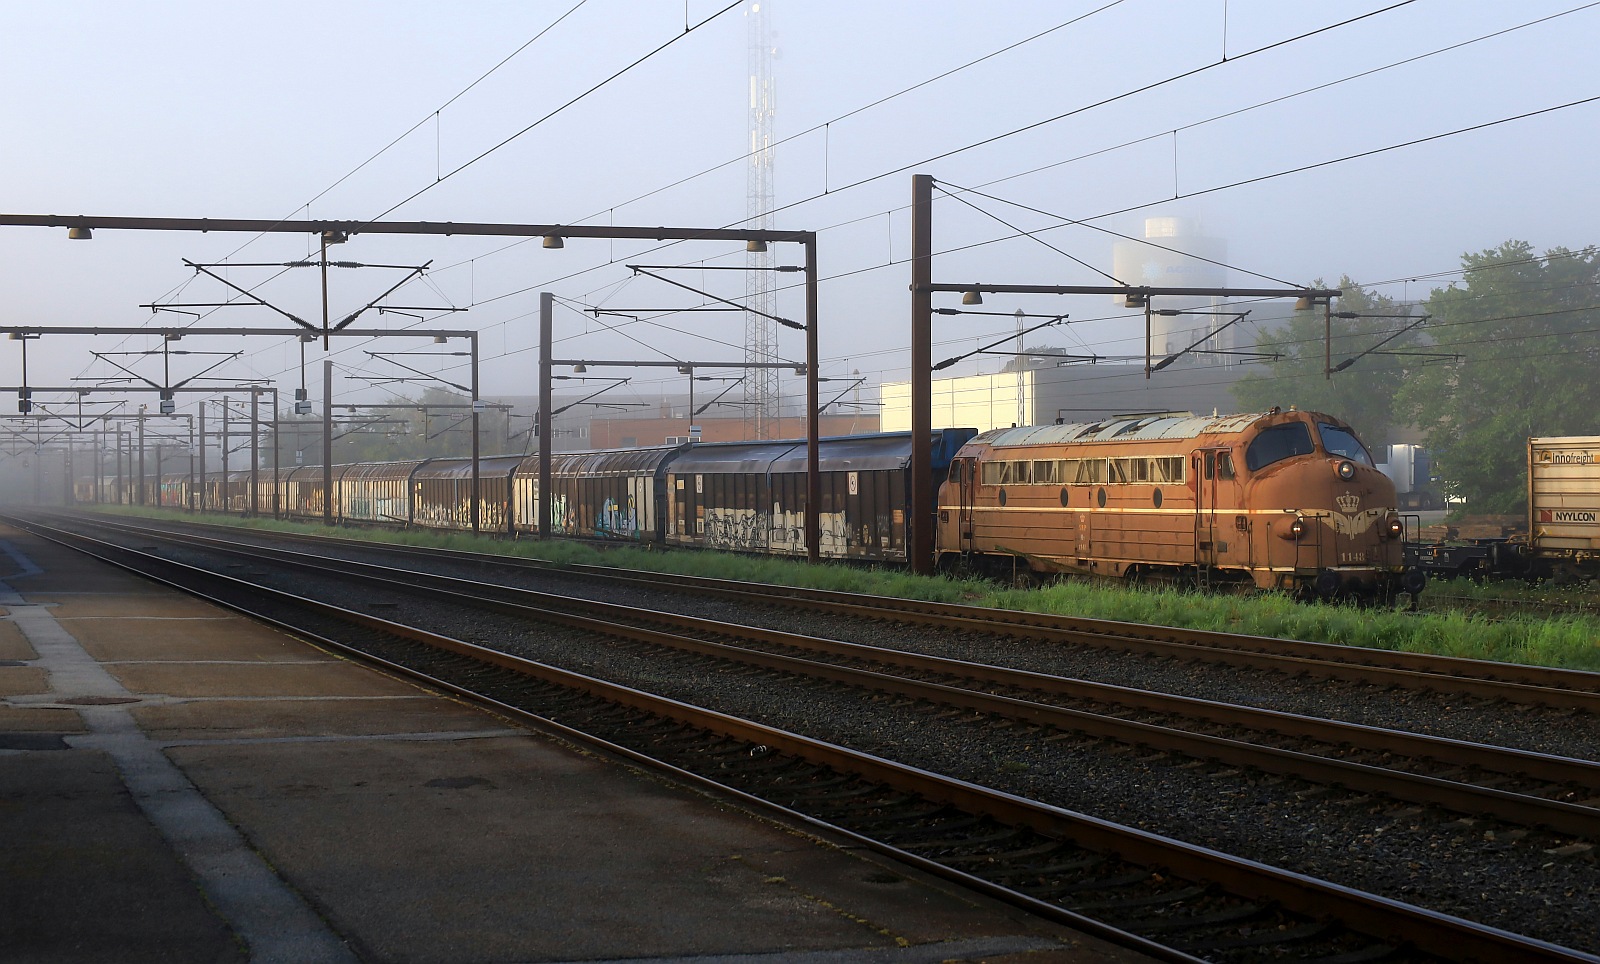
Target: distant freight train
<point x="1562" y="538"/>
<point x="1281" y="500"/>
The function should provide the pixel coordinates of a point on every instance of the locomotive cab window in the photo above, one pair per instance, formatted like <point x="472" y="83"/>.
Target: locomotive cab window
<point x="1278" y="443"/>
<point x="1219" y="465"/>
<point x="1340" y="442"/>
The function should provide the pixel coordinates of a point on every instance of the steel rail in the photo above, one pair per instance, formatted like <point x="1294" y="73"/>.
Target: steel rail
<point x="1518" y="808"/>
<point x="1512" y="682"/>
<point x="1431" y="932"/>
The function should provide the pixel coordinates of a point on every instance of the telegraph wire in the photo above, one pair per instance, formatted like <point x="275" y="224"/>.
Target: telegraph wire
<point x="640" y="60"/>
<point x="953" y="195"/>
<point x="434" y="114"/>
<point x="1184" y="75"/>
<point x="1135" y="141"/>
<point x="1254" y="180"/>
<point x="875" y="177"/>
<point x="824" y="125"/>
<point x="1069" y="222"/>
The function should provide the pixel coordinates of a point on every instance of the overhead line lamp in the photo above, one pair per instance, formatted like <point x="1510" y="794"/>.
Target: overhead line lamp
<point x="80" y="234"/>
<point x="554" y="241"/>
<point x="972" y="297"/>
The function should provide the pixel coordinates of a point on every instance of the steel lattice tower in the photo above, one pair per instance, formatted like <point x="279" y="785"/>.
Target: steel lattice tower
<point x="760" y="333"/>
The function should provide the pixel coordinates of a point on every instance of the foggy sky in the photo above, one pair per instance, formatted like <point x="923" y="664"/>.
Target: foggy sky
<point x="189" y="109"/>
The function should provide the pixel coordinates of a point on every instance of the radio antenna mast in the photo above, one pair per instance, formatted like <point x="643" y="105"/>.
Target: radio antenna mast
<point x="760" y="333"/>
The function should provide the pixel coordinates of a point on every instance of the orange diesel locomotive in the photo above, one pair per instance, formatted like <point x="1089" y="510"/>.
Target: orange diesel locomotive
<point x="1281" y="500"/>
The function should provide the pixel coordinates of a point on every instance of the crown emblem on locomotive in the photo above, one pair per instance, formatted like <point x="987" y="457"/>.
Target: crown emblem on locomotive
<point x="1348" y="502"/>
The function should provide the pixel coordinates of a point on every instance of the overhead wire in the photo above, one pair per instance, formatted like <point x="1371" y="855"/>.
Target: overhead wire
<point x="1222" y="187"/>
<point x="569" y="103"/>
<point x="1437" y="51"/>
<point x="914" y="87"/>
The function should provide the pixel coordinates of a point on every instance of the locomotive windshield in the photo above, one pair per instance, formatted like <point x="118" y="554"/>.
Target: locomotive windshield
<point x="1278" y="443"/>
<point x="1339" y="441"/>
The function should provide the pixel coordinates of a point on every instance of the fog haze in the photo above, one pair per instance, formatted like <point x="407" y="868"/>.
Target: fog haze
<point x="285" y="110"/>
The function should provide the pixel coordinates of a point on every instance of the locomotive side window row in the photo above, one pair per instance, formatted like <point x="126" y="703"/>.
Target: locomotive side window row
<point x="1163" y="470"/>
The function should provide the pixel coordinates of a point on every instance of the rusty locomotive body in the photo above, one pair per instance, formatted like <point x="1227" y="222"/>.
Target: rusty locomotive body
<point x="1282" y="500"/>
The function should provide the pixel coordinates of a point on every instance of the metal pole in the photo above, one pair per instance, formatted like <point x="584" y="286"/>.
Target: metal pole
<point x="277" y="470"/>
<point x="99" y="453"/>
<point x="121" y="491"/>
<point x="327" y="441"/>
<point x="161" y="497"/>
<point x="189" y="499"/>
<point x="1146" y="338"/>
<point x="203" y="500"/>
<point x="255" y="454"/>
<point x="324" y="265"/>
<point x="921" y="549"/>
<point x="477" y="492"/>
<point x="227" y="443"/>
<point x="813" y="417"/>
<point x="1327" y="340"/>
<point x="189" y="502"/>
<point x="547" y="308"/>
<point x="141" y="457"/>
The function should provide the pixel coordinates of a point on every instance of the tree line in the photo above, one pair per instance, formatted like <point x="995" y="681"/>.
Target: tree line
<point x="1506" y="353"/>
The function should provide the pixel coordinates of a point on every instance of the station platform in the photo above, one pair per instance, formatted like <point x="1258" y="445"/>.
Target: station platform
<point x="178" y="783"/>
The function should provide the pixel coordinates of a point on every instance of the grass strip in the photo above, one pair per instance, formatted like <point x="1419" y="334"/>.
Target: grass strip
<point x="1567" y="640"/>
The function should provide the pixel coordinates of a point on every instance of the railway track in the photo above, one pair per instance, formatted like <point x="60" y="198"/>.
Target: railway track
<point x="952" y="822"/>
<point x="1509" y="682"/>
<point x="1553" y="792"/>
<point x="1503" y="608"/>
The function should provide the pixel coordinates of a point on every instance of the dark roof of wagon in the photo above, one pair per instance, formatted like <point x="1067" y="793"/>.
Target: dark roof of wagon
<point x="1124" y="429"/>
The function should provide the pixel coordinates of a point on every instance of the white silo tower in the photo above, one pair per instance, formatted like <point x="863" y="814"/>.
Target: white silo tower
<point x="1165" y="259"/>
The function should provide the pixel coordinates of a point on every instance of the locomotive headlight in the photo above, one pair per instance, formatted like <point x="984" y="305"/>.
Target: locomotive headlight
<point x="1346" y="470"/>
<point x="1395" y="529"/>
<point x="1298" y="527"/>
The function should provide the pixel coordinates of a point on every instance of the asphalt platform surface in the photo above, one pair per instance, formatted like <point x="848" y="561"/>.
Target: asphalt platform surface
<point x="178" y="783"/>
